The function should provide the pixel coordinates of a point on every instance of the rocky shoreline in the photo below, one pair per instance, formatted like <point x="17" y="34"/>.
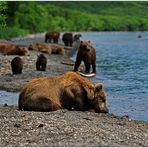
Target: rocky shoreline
<point x="14" y="83"/>
<point x="62" y="127"/>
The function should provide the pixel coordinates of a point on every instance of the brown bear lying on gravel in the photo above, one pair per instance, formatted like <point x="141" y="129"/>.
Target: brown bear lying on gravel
<point x="49" y="49"/>
<point x="9" y="49"/>
<point x="69" y="91"/>
<point x="17" y="65"/>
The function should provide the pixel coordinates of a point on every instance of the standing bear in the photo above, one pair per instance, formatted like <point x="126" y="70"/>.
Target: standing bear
<point x="87" y="54"/>
<point x="52" y="37"/>
<point x="67" y="39"/>
<point x="41" y="63"/>
<point x="70" y="91"/>
<point x="17" y="65"/>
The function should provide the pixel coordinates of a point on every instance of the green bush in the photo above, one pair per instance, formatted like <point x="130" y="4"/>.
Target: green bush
<point x="8" y="32"/>
<point x="34" y="16"/>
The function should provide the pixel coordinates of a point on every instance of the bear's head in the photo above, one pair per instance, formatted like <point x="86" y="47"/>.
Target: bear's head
<point x="33" y="47"/>
<point x="99" y="101"/>
<point x="23" y="51"/>
<point x="85" y="46"/>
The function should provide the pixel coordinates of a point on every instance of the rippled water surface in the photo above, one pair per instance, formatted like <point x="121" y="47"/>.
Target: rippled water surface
<point x="122" y="65"/>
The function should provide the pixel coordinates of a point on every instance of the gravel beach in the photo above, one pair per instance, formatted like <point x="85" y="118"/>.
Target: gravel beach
<point x="62" y="127"/>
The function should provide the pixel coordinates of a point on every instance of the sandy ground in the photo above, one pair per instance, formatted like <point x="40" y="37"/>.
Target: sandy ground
<point x="62" y="127"/>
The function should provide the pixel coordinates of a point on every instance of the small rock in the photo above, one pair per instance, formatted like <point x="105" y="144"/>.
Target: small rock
<point x="17" y="125"/>
<point x="41" y="125"/>
<point x="5" y="104"/>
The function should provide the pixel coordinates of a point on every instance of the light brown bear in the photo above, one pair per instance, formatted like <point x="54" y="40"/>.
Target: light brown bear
<point x="9" y="49"/>
<point x="70" y="91"/>
<point x="40" y="47"/>
<point x="49" y="49"/>
<point x="57" y="49"/>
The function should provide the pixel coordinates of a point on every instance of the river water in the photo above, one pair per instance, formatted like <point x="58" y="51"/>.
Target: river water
<point x="122" y="65"/>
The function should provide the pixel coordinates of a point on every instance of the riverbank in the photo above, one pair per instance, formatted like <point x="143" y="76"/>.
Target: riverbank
<point x="14" y="83"/>
<point x="69" y="128"/>
<point x="62" y="127"/>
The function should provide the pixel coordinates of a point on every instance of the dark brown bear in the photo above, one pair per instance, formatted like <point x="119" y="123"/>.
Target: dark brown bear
<point x="52" y="37"/>
<point x="69" y="91"/>
<point x="87" y="54"/>
<point x="67" y="39"/>
<point x="17" y="65"/>
<point x="41" y="63"/>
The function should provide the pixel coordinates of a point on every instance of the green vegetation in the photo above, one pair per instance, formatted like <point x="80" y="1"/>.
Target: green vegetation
<point x="3" y="8"/>
<point x="37" y="16"/>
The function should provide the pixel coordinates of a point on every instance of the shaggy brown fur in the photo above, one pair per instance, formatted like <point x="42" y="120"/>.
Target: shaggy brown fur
<point x="87" y="54"/>
<point x="9" y="49"/>
<point x="49" y="49"/>
<point x="69" y="91"/>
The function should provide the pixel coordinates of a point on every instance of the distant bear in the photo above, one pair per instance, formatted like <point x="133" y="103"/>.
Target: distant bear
<point x="41" y="47"/>
<point x="77" y="37"/>
<point x="9" y="49"/>
<point x="17" y="65"/>
<point x="41" y="63"/>
<point x="49" y="49"/>
<point x="69" y="91"/>
<point x="58" y="49"/>
<point x="22" y="51"/>
<point x="67" y="39"/>
<point x="52" y="36"/>
<point x="87" y="54"/>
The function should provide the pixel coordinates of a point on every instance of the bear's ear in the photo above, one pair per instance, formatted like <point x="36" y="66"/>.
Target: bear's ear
<point x="98" y="87"/>
<point x="89" y="41"/>
<point x="81" y="41"/>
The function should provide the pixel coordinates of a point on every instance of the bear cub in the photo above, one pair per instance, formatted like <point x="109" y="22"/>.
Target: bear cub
<point x="16" y="65"/>
<point x="41" y="63"/>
